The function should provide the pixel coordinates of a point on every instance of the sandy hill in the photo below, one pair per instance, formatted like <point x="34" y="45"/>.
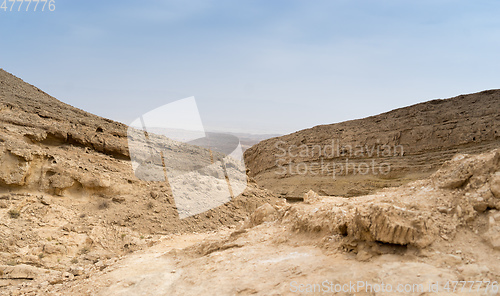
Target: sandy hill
<point x="421" y="238"/>
<point x="359" y="156"/>
<point x="76" y="220"/>
<point x="68" y="194"/>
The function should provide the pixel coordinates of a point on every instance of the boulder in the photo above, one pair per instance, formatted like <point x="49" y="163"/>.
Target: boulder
<point x="495" y="184"/>
<point x="311" y="197"/>
<point x="264" y="213"/>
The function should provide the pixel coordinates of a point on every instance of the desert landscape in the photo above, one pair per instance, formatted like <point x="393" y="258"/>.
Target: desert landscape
<point x="402" y="203"/>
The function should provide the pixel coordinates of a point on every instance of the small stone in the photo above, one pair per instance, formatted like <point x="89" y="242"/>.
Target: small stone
<point x="264" y="213"/>
<point x="451" y="259"/>
<point x="44" y="284"/>
<point x="50" y="248"/>
<point x="118" y="199"/>
<point x="68" y="275"/>
<point x="443" y="210"/>
<point x="495" y="184"/>
<point x="481" y="207"/>
<point x="21" y="271"/>
<point x="57" y="280"/>
<point x="363" y="255"/>
<point x="76" y="270"/>
<point x="44" y="200"/>
<point x="101" y="265"/>
<point x="311" y="197"/>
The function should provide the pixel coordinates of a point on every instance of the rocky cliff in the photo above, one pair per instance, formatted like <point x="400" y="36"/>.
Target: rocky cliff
<point x="359" y="156"/>
<point x="69" y="196"/>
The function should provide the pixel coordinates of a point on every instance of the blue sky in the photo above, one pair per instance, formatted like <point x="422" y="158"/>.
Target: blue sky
<point x="255" y="66"/>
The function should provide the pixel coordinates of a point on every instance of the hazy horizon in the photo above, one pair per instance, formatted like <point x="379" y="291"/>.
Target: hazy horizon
<point x="255" y="67"/>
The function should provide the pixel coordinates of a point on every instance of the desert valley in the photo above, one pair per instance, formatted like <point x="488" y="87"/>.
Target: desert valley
<point x="402" y="203"/>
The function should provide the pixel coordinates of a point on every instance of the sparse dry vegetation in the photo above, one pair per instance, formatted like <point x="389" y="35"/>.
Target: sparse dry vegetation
<point x="84" y="250"/>
<point x="103" y="205"/>
<point x="14" y="214"/>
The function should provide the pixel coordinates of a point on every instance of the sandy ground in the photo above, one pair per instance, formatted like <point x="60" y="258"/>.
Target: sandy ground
<point x="439" y="236"/>
<point x="272" y="260"/>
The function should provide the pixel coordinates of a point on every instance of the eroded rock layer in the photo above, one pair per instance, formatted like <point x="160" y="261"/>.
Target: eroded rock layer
<point x="69" y="197"/>
<point x="359" y="156"/>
